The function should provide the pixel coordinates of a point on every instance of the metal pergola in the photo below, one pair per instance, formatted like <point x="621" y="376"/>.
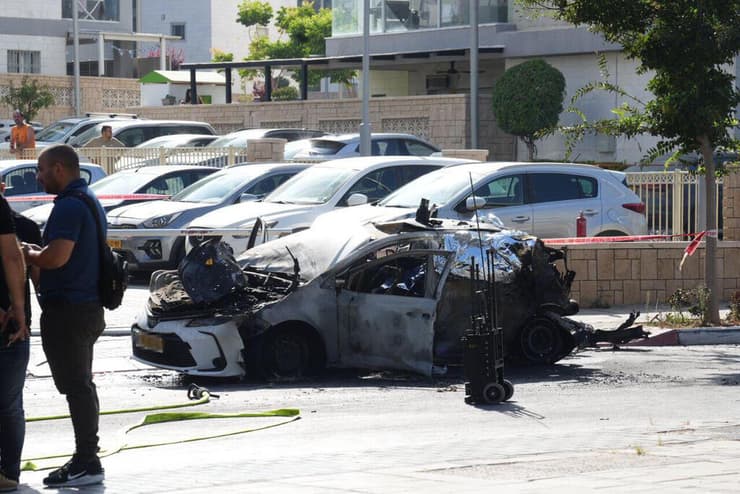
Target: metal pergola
<point x="328" y="63"/>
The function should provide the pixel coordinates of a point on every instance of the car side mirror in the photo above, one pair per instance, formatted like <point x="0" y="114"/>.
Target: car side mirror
<point x="356" y="199"/>
<point x="248" y="197"/>
<point x="473" y="203"/>
<point x="339" y="284"/>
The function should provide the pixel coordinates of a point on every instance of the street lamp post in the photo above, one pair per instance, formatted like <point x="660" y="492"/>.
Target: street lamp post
<point x="76" y="49"/>
<point x="365" y="125"/>
<point x="474" y="74"/>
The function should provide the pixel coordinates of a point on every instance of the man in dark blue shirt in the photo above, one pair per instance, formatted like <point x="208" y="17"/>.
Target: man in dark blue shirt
<point x="71" y="311"/>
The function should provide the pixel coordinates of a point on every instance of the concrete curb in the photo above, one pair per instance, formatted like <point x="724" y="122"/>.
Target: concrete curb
<point x="694" y="336"/>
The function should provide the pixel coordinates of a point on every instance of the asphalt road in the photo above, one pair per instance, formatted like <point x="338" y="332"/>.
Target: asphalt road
<point x="661" y="418"/>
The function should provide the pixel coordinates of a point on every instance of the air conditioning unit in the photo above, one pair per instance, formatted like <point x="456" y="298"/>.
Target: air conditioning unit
<point x="437" y="83"/>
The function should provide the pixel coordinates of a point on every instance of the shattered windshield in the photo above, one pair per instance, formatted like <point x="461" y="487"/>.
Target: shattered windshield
<point x="315" y="185"/>
<point x="440" y="187"/>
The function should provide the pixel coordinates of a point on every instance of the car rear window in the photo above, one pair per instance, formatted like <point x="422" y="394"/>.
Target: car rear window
<point x="550" y="187"/>
<point x="325" y="147"/>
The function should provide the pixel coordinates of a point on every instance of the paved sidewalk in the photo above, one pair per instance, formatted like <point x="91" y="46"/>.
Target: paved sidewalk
<point x="612" y="317"/>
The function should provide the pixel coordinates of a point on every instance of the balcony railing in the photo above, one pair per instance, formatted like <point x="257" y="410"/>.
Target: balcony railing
<point x="407" y="15"/>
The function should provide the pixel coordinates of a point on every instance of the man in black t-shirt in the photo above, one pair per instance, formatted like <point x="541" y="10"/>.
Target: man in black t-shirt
<point x="27" y="231"/>
<point x="14" y="352"/>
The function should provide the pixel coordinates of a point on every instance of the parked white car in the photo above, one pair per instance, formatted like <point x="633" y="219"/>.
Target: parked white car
<point x="228" y="186"/>
<point x="22" y="189"/>
<point x="543" y="199"/>
<point x="117" y="189"/>
<point x="381" y="144"/>
<point x="323" y="187"/>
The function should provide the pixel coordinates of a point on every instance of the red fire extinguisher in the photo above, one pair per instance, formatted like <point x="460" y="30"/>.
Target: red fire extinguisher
<point x="581" y="225"/>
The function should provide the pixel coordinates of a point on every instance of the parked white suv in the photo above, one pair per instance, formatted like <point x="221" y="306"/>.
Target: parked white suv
<point x="543" y="199"/>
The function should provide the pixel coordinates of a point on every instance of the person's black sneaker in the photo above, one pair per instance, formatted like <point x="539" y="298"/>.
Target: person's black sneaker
<point x="76" y="473"/>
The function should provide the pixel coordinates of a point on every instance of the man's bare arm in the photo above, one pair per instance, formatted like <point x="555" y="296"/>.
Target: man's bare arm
<point x="15" y="277"/>
<point x="53" y="256"/>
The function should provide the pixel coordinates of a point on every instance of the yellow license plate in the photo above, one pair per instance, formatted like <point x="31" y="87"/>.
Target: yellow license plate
<point x="115" y="244"/>
<point x="150" y="342"/>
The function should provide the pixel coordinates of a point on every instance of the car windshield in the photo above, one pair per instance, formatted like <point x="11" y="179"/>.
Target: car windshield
<point x="215" y="188"/>
<point x="315" y="185"/>
<point x="121" y="183"/>
<point x="440" y="187"/>
<point x="237" y="138"/>
<point x="55" y="132"/>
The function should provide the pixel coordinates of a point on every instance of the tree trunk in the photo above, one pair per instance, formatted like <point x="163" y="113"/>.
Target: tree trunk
<point x="531" y="149"/>
<point x="710" y="251"/>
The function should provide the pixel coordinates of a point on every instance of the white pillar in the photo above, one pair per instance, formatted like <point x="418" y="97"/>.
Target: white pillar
<point x="162" y="54"/>
<point x="101" y="55"/>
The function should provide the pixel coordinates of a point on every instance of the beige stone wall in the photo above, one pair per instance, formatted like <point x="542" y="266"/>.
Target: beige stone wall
<point x="270" y="150"/>
<point x="98" y="94"/>
<point x="645" y="272"/>
<point x="442" y="119"/>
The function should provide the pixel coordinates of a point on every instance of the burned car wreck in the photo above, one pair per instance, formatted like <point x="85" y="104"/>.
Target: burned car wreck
<point x="391" y="296"/>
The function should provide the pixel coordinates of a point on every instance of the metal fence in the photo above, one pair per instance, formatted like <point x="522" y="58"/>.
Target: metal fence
<point x="671" y="201"/>
<point x="115" y="159"/>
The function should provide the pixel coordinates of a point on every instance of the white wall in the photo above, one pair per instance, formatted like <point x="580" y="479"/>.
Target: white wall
<point x="578" y="71"/>
<point x="52" y="52"/>
<point x="35" y="9"/>
<point x="157" y="16"/>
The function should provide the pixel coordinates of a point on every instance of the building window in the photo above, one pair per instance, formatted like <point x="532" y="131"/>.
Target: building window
<point x="177" y="29"/>
<point x="94" y="10"/>
<point x="24" y="62"/>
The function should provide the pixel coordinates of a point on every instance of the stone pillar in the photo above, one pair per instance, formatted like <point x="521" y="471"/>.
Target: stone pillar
<point x="730" y="207"/>
<point x="470" y="154"/>
<point x="267" y="149"/>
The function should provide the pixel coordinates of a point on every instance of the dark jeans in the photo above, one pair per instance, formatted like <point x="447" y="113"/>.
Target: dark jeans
<point x="68" y="332"/>
<point x="13" y="363"/>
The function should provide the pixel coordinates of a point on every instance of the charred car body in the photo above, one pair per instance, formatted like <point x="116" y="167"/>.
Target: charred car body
<point x="378" y="296"/>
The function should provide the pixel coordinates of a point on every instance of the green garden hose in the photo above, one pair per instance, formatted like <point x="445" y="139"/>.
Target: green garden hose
<point x="198" y="396"/>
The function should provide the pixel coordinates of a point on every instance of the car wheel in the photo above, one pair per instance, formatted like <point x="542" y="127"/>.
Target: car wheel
<point x="541" y="341"/>
<point x="287" y="353"/>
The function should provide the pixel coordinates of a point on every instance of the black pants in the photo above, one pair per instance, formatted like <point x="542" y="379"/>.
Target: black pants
<point x="68" y="332"/>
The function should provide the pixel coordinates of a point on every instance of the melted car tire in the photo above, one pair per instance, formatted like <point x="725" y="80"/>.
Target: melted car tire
<point x="285" y="352"/>
<point x="541" y="341"/>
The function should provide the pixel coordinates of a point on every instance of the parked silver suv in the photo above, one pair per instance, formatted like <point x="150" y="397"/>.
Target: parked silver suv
<point x="543" y="199"/>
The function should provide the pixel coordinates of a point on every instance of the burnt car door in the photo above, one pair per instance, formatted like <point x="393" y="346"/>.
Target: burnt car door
<point x="387" y="306"/>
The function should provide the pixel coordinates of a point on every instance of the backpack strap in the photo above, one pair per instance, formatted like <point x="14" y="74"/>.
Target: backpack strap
<point x="94" y="210"/>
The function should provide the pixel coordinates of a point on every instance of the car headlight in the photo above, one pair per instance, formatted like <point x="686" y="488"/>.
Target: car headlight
<point x="160" y="221"/>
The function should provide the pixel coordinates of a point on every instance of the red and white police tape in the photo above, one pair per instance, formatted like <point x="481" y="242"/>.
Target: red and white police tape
<point x="688" y="251"/>
<point x="119" y="197"/>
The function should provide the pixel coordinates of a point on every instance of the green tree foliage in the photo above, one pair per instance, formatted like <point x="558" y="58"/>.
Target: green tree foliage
<point x="527" y="101"/>
<point x="302" y="29"/>
<point x="30" y="97"/>
<point x="285" y="93"/>
<point x="254" y="12"/>
<point x="688" y="48"/>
